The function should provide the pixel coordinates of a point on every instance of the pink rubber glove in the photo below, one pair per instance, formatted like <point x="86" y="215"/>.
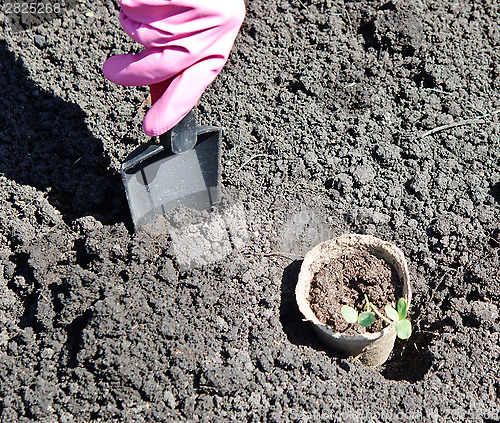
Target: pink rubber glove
<point x="187" y="42"/>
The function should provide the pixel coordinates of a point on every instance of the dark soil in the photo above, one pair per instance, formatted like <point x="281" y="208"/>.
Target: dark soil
<point x="346" y="281"/>
<point x="324" y="106"/>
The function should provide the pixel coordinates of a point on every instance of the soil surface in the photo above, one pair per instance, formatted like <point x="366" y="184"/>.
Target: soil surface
<point x="339" y="116"/>
<point x="346" y="281"/>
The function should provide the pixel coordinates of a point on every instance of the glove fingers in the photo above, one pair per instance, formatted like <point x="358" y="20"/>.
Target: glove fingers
<point x="150" y="66"/>
<point x="187" y="42"/>
<point x="181" y="96"/>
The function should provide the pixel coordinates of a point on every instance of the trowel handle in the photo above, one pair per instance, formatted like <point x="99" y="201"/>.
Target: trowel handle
<point x="183" y="136"/>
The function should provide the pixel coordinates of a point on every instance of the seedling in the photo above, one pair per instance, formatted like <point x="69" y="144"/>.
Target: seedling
<point x="394" y="317"/>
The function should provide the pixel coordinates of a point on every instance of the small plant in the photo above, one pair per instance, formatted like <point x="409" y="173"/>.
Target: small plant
<point x="397" y="318"/>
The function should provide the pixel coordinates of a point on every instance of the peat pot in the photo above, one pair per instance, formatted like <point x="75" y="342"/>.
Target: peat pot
<point x="372" y="349"/>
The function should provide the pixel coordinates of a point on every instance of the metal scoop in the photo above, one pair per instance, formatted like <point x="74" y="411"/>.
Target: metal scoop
<point x="182" y="170"/>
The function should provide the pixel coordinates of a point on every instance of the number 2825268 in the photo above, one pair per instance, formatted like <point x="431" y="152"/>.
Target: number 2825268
<point x="31" y="8"/>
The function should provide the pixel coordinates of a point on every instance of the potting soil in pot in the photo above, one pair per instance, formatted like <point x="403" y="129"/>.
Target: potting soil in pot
<point x="345" y="281"/>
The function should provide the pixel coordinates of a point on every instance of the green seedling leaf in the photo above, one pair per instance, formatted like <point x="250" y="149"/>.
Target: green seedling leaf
<point x="403" y="329"/>
<point x="402" y="308"/>
<point x="366" y="319"/>
<point x="395" y="317"/>
<point x="391" y="313"/>
<point x="349" y="314"/>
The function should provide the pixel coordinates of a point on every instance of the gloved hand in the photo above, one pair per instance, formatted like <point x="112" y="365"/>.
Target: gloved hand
<point x="187" y="42"/>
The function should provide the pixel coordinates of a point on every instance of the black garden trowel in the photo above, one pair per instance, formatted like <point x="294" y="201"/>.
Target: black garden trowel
<point x="183" y="169"/>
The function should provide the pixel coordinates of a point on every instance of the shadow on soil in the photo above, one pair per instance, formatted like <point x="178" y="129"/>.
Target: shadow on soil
<point x="495" y="192"/>
<point x="297" y="330"/>
<point x="47" y="145"/>
<point x="410" y="359"/>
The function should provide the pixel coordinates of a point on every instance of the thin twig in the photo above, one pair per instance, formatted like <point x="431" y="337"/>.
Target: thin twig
<point x="274" y="253"/>
<point x="441" y="91"/>
<point x="496" y="241"/>
<point x="280" y="253"/>
<point x="303" y="5"/>
<point x="249" y="160"/>
<point x="461" y="123"/>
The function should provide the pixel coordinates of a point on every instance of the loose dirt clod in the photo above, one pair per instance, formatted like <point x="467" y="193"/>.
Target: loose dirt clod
<point x="345" y="282"/>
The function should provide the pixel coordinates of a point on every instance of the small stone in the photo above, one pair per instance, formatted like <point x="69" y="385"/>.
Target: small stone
<point x="484" y="311"/>
<point x="40" y="41"/>
<point x="169" y="399"/>
<point x="86" y="224"/>
<point x="439" y="228"/>
<point x="364" y="174"/>
<point x="47" y="353"/>
<point x="343" y="183"/>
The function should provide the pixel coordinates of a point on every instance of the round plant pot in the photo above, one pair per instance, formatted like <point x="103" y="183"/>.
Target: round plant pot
<point x="372" y="349"/>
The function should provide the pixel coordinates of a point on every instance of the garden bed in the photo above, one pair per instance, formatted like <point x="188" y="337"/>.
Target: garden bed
<point x="365" y="117"/>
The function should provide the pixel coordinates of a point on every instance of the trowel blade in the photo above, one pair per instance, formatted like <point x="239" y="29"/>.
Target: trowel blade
<point x="163" y="181"/>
